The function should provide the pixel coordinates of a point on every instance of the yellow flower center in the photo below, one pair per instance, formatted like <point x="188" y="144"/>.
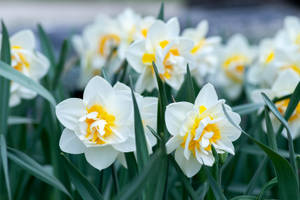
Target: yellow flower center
<point x="100" y="125"/>
<point x="20" y="59"/>
<point x="144" y="32"/>
<point x="293" y="67"/>
<point x="107" y="42"/>
<point x="297" y="41"/>
<point x="198" y="46"/>
<point x="235" y="73"/>
<point x="282" y="106"/>
<point x="269" y="57"/>
<point x="210" y="128"/>
<point x="167" y="66"/>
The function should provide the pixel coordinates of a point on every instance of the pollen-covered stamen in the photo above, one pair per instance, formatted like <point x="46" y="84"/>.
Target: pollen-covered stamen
<point x="100" y="124"/>
<point x="171" y="59"/>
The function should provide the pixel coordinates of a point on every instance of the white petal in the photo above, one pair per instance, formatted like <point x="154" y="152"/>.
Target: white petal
<point x="70" y="143"/>
<point x="189" y="167"/>
<point x="70" y="111"/>
<point x="101" y="157"/>
<point x="285" y="83"/>
<point x="135" y="54"/>
<point x="205" y="157"/>
<point x="39" y="66"/>
<point x="122" y="160"/>
<point x="207" y="96"/>
<point x="173" y="27"/>
<point x="14" y="99"/>
<point x="173" y="143"/>
<point x="98" y="90"/>
<point x="126" y="146"/>
<point x="175" y="115"/>
<point x="24" y="39"/>
<point x="226" y="145"/>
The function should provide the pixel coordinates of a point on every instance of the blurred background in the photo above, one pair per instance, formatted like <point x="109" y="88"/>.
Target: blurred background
<point x="61" y="18"/>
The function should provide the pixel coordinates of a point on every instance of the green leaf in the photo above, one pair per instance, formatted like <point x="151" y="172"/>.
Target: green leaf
<point x="14" y="120"/>
<point x="86" y="190"/>
<point x="277" y="114"/>
<point x="140" y="138"/>
<point x="216" y="188"/>
<point x="270" y="131"/>
<point x="4" y="105"/>
<point x="10" y="73"/>
<point x="3" y="156"/>
<point x="134" y="189"/>
<point x="61" y="62"/>
<point x="244" y="197"/>
<point x="161" y="12"/>
<point x="35" y="169"/>
<point x="247" y="108"/>
<point x="186" y="183"/>
<point x="267" y="186"/>
<point x="131" y="165"/>
<point x="186" y="91"/>
<point x="46" y="46"/>
<point x="154" y="133"/>
<point x="287" y="182"/>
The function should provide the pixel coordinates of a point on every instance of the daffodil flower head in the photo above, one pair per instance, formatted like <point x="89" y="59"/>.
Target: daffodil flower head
<point x="237" y="55"/>
<point x="285" y="84"/>
<point x="196" y="127"/>
<point x="204" y="52"/>
<point x="99" y="125"/>
<point x="164" y="47"/>
<point x="25" y="59"/>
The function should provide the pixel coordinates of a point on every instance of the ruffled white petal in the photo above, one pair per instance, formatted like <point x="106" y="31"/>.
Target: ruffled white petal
<point x="70" y="143"/>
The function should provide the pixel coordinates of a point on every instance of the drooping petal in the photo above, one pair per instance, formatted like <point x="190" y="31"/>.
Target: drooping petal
<point x="175" y="115"/>
<point x="70" y="143"/>
<point x="101" y="157"/>
<point x="70" y="111"/>
<point x="189" y="167"/>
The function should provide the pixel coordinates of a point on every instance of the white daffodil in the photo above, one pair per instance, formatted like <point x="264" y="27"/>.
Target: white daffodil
<point x="195" y="127"/>
<point x="98" y="47"/>
<point x="26" y="60"/>
<point x="285" y="84"/>
<point x="99" y="125"/>
<point x="148" y="111"/>
<point x="164" y="47"/>
<point x="204" y="52"/>
<point x="263" y="72"/>
<point x="236" y="56"/>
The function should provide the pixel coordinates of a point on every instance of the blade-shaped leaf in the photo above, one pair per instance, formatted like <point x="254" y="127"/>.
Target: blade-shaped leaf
<point x="140" y="138"/>
<point x="161" y="14"/>
<point x="46" y="45"/>
<point x="244" y="197"/>
<point x="131" y="165"/>
<point x="186" y="91"/>
<point x="247" y="108"/>
<point x="16" y="76"/>
<point x="288" y="186"/>
<point x="135" y="187"/>
<point x="4" y="105"/>
<point x="14" y="120"/>
<point x="84" y="187"/>
<point x="276" y="112"/>
<point x="216" y="188"/>
<point x="267" y="186"/>
<point x="270" y="131"/>
<point x="3" y="155"/>
<point x="35" y="169"/>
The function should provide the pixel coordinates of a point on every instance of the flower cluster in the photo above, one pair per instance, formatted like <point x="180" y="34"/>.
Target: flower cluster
<point x="25" y="59"/>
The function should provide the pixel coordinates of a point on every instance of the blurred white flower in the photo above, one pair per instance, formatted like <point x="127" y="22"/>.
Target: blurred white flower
<point x="236" y="56"/>
<point x="285" y="84"/>
<point x="99" y="125"/>
<point x="28" y="61"/>
<point x="194" y="128"/>
<point x="205" y="51"/>
<point x="164" y="47"/>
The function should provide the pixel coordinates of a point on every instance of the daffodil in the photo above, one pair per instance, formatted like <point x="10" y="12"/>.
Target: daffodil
<point x="98" y="48"/>
<point x="164" y="47"/>
<point x="204" y="52"/>
<point x="285" y="84"/>
<point x="99" y="125"/>
<point x="237" y="55"/>
<point x="26" y="60"/>
<point x="196" y="127"/>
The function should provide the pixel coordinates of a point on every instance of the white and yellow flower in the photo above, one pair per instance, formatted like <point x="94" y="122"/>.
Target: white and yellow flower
<point x="28" y="61"/>
<point x="99" y="125"/>
<point x="205" y="51"/>
<point x="95" y="48"/>
<point x="237" y="55"/>
<point x="285" y="84"/>
<point x="195" y="127"/>
<point x="164" y="47"/>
